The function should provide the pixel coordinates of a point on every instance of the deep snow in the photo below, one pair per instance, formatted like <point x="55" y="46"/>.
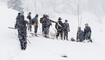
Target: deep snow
<point x="48" y="49"/>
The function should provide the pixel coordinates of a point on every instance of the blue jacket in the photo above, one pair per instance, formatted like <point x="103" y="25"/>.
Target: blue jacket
<point x="35" y="20"/>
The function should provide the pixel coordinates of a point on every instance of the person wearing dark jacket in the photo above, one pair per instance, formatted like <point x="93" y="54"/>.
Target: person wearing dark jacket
<point x="22" y="33"/>
<point x="17" y="19"/>
<point x="59" y="27"/>
<point x="41" y="21"/>
<point x="80" y="35"/>
<point x="30" y="21"/>
<point x="66" y="29"/>
<point x="87" y="32"/>
<point x="46" y="25"/>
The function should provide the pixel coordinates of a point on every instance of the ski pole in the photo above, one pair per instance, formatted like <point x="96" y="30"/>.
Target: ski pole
<point x="28" y="41"/>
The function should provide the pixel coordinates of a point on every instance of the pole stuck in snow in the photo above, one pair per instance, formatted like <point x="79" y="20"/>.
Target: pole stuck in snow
<point x="78" y="13"/>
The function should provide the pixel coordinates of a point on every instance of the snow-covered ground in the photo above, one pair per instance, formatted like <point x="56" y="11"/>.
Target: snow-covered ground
<point x="48" y="49"/>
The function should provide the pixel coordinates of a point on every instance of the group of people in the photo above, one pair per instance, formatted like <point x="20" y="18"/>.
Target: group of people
<point x="84" y="35"/>
<point x="33" y="22"/>
<point x="62" y="28"/>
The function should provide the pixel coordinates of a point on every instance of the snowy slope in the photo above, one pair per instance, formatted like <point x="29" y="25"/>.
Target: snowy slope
<point x="48" y="49"/>
<point x="8" y="42"/>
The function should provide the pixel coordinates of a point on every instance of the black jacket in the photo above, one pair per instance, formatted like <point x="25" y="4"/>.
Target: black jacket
<point x="21" y="23"/>
<point x="29" y="17"/>
<point x="46" y="22"/>
<point x="59" y="25"/>
<point x="66" y="27"/>
<point x="80" y="35"/>
<point x="87" y="29"/>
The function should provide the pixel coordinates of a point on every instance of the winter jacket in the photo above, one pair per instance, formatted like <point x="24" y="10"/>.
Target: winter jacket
<point x="80" y="35"/>
<point x="35" y="21"/>
<point x="46" y="22"/>
<point x="21" y="23"/>
<point x="17" y="20"/>
<point x="66" y="27"/>
<point x="59" y="25"/>
<point x="30" y="20"/>
<point x="29" y="17"/>
<point x="87" y="29"/>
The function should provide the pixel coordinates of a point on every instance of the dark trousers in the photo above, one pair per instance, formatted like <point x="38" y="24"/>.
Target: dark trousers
<point x="35" y="29"/>
<point x="88" y="36"/>
<point x="59" y="32"/>
<point x="30" y="25"/>
<point x="42" y="29"/>
<point x="23" y="39"/>
<point x="65" y="35"/>
<point x="46" y="31"/>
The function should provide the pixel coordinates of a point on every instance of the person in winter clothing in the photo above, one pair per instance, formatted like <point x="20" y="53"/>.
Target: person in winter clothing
<point x="41" y="21"/>
<point x="17" y="19"/>
<point x="59" y="27"/>
<point x="80" y="35"/>
<point x="22" y="33"/>
<point x="35" y="20"/>
<point x="46" y="23"/>
<point x="87" y="32"/>
<point x="30" y="21"/>
<point x="66" y="29"/>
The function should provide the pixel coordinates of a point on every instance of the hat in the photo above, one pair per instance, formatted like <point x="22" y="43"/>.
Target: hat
<point x="66" y="20"/>
<point x="59" y="18"/>
<point x="44" y="15"/>
<point x="79" y="28"/>
<point x="29" y="12"/>
<point x="86" y="24"/>
<point x="37" y="15"/>
<point x="19" y="13"/>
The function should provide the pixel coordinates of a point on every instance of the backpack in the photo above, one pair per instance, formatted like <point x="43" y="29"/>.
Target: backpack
<point x="32" y="21"/>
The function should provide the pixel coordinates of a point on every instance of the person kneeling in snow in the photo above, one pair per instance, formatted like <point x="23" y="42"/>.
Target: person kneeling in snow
<point x="87" y="32"/>
<point x="80" y="35"/>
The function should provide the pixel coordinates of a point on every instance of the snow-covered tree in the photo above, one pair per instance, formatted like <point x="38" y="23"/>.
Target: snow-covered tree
<point x="15" y="4"/>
